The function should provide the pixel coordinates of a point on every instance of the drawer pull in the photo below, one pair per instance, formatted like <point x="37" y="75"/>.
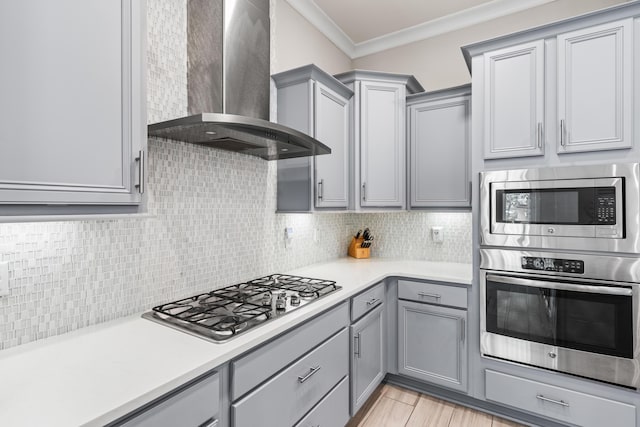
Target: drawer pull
<point x="373" y="301"/>
<point x="356" y="345"/>
<point x="140" y="184"/>
<point x="557" y="402"/>
<point x="210" y="423"/>
<point x="425" y="295"/>
<point x="312" y="371"/>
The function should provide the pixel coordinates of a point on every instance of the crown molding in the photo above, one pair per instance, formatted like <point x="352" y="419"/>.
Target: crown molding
<point x="455" y="21"/>
<point x="327" y="26"/>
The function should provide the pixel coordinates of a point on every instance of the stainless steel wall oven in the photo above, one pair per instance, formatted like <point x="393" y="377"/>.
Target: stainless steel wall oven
<point x="578" y="207"/>
<point x="573" y="313"/>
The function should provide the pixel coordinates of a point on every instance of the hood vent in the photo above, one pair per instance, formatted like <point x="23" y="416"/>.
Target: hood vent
<point x="228" y="84"/>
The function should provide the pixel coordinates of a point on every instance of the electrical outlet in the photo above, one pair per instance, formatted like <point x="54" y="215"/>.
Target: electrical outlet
<point x="437" y="234"/>
<point x="288" y="236"/>
<point x="4" y="279"/>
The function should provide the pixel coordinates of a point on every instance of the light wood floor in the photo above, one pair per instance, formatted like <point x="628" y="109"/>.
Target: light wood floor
<point x="392" y="406"/>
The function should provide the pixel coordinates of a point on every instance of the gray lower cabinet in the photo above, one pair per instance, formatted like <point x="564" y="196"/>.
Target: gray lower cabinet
<point x="367" y="356"/>
<point x="557" y="403"/>
<point x="288" y="396"/>
<point x="333" y="410"/>
<point x="73" y="105"/>
<point x="439" y="148"/>
<point x="195" y="405"/>
<point x="285" y="380"/>
<point x="432" y="344"/>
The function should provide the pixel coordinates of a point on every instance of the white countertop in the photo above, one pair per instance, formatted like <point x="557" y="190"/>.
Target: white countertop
<point x="100" y="373"/>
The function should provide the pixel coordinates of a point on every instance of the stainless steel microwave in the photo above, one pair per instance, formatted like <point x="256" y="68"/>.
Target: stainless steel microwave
<point x="593" y="207"/>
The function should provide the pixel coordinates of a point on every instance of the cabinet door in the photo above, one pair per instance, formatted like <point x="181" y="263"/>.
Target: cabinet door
<point x="72" y="104"/>
<point x="439" y="153"/>
<point x="595" y="67"/>
<point x="382" y="144"/>
<point x="332" y="129"/>
<point x="367" y="361"/>
<point x="514" y="101"/>
<point x="432" y="344"/>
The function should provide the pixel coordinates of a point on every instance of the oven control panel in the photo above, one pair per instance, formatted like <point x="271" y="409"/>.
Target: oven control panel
<point x="553" y="264"/>
<point x="606" y="208"/>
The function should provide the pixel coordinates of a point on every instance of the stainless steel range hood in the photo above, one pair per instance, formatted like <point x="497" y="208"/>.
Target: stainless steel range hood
<point x="228" y="83"/>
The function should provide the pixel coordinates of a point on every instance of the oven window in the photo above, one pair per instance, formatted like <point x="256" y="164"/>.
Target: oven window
<point x="596" y="323"/>
<point x="562" y="206"/>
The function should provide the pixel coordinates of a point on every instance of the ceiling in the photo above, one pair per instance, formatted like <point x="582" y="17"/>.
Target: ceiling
<point x="363" y="27"/>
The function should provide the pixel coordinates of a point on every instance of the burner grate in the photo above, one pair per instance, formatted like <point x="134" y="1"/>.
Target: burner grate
<point x="214" y="312"/>
<point x="222" y="313"/>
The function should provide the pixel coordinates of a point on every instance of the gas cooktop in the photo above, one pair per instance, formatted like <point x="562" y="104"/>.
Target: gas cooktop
<point x="227" y="312"/>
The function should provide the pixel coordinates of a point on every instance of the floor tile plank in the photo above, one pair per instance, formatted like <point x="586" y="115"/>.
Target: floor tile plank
<point x="431" y="412"/>
<point x="403" y="395"/>
<point x="468" y="417"/>
<point x="388" y="413"/>
<point x="367" y="408"/>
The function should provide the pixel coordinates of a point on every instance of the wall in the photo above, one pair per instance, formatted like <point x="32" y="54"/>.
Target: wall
<point x="296" y="42"/>
<point x="211" y="223"/>
<point x="407" y="235"/>
<point x="438" y="63"/>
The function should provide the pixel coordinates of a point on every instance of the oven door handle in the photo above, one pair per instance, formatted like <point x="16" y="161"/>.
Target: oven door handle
<point x="592" y="289"/>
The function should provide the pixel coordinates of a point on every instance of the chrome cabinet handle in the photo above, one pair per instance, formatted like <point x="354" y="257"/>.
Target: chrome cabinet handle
<point x="140" y="184"/>
<point x="539" y="135"/>
<point x="562" y="132"/>
<point x="373" y="301"/>
<point x="364" y="191"/>
<point x="557" y="402"/>
<point x="210" y="423"/>
<point x="356" y="345"/>
<point x="320" y="189"/>
<point x="462" y="330"/>
<point x="424" y="295"/>
<point x="312" y="371"/>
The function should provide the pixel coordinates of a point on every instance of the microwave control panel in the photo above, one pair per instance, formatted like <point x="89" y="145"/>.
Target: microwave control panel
<point x="605" y="206"/>
<point x="553" y="264"/>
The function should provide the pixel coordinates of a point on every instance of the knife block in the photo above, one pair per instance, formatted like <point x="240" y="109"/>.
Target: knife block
<point x="356" y="251"/>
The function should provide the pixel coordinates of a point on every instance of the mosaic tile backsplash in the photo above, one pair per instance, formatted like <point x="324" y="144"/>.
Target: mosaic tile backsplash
<point x="211" y="222"/>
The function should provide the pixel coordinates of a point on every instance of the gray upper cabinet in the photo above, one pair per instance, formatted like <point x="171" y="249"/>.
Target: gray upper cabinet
<point x="332" y="171"/>
<point x="313" y="102"/>
<point x="439" y="136"/>
<point x="379" y="135"/>
<point x="567" y="86"/>
<point x="514" y="101"/>
<point x="73" y="104"/>
<point x="382" y="147"/>
<point x="595" y="67"/>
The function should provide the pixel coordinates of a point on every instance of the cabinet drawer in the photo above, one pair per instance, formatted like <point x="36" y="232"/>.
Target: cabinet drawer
<point x="453" y="296"/>
<point x="558" y="403"/>
<point x="362" y="303"/>
<point x="333" y="410"/>
<point x="285" y="398"/>
<point x="192" y="407"/>
<point x="254" y="368"/>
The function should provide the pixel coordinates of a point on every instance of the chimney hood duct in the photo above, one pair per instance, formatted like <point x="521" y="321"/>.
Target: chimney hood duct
<point x="228" y="84"/>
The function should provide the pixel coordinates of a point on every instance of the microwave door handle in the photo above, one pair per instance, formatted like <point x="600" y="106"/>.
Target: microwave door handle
<point x="606" y="290"/>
